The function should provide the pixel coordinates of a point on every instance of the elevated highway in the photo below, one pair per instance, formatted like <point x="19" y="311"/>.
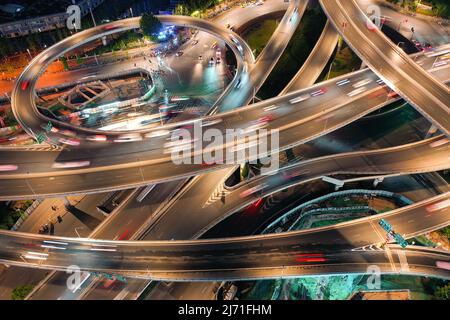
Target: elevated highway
<point x="429" y="95"/>
<point x="139" y="163"/>
<point x="255" y="257"/>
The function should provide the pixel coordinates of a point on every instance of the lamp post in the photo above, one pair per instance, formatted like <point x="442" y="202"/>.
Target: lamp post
<point x="29" y="53"/>
<point x="92" y="15"/>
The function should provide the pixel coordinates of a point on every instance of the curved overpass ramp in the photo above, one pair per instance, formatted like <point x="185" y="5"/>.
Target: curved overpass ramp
<point x="133" y="164"/>
<point x="265" y="256"/>
<point x="420" y="157"/>
<point x="426" y="93"/>
<point x="23" y="99"/>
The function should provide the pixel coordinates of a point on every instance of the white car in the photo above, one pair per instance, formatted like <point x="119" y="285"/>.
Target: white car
<point x="71" y="164"/>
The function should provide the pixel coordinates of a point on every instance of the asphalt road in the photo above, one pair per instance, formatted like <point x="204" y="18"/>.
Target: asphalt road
<point x="242" y="257"/>
<point x="317" y="116"/>
<point x="426" y="93"/>
<point x="52" y="289"/>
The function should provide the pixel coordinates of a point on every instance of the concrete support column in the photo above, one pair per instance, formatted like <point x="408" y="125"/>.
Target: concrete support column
<point x="377" y="181"/>
<point x="433" y="129"/>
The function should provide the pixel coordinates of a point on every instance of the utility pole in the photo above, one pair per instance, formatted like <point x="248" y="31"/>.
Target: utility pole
<point x="92" y="15"/>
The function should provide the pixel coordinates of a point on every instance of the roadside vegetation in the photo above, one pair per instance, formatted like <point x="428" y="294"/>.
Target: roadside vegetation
<point x="189" y="7"/>
<point x="442" y="293"/>
<point x="150" y="26"/>
<point x="345" y="61"/>
<point x="440" y="8"/>
<point x="21" y="292"/>
<point x="445" y="232"/>
<point x="296" y="53"/>
<point x="258" y="36"/>
<point x="9" y="214"/>
<point x="127" y="40"/>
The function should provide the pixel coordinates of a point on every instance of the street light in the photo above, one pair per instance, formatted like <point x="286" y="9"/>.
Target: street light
<point x="92" y="15"/>
<point x="29" y="53"/>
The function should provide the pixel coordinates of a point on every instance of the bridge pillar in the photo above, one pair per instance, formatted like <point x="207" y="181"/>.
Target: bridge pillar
<point x="433" y="129"/>
<point x="377" y="181"/>
<point x="66" y="201"/>
<point x="338" y="183"/>
<point x="290" y="155"/>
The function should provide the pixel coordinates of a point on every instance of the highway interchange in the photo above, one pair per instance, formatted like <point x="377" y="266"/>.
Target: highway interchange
<point x="316" y="117"/>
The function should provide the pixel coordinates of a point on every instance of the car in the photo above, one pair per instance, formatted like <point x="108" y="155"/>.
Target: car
<point x="362" y="83"/>
<point x="310" y="257"/>
<point x="357" y="91"/>
<point x="443" y="265"/>
<point x="124" y="235"/>
<point x="439" y="143"/>
<point x="319" y="92"/>
<point x="8" y="167"/>
<point x="194" y="42"/>
<point x="303" y="97"/>
<point x="238" y="84"/>
<point x="438" y="206"/>
<point x="208" y="123"/>
<point x="24" y="85"/>
<point x="253" y="190"/>
<point x="418" y="45"/>
<point x="129" y="137"/>
<point x="343" y="82"/>
<point x="392" y="94"/>
<point x="179" y="143"/>
<point x="179" y="53"/>
<point x="71" y="164"/>
<point x="111" y="27"/>
<point x="218" y="60"/>
<point x="97" y="137"/>
<point x="211" y="61"/>
<point x="157" y="133"/>
<point x="68" y="133"/>
<point x="200" y="57"/>
<point x="371" y="25"/>
<point x="69" y="141"/>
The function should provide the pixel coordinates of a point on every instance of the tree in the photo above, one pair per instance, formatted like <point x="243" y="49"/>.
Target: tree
<point x="443" y="293"/>
<point x="21" y="292"/>
<point x="150" y="25"/>
<point x="63" y="59"/>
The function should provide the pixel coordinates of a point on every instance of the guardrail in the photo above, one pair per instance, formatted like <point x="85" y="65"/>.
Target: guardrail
<point x="284" y="218"/>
